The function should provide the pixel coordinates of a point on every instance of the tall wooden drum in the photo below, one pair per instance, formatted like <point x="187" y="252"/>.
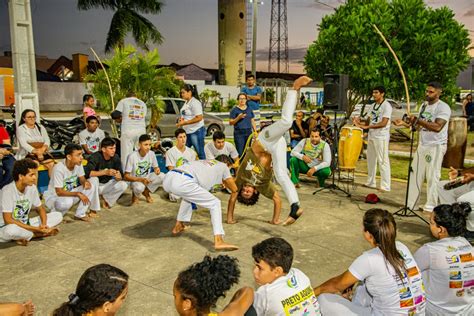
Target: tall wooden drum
<point x="457" y="141"/>
<point x="350" y="145"/>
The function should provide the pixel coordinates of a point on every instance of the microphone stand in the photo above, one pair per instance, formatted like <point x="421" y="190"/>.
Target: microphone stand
<point x="405" y="211"/>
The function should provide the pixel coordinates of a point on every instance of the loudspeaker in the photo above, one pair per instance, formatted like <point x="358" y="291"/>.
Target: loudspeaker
<point x="335" y="92"/>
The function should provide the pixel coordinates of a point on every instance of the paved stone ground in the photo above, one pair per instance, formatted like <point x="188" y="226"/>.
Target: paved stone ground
<point x="326" y="239"/>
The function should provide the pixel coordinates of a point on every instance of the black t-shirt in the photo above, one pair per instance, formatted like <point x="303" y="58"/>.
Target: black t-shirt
<point x="96" y="162"/>
<point x="296" y="130"/>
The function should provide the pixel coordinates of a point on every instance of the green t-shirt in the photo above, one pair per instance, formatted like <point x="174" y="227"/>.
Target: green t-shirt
<point x="253" y="173"/>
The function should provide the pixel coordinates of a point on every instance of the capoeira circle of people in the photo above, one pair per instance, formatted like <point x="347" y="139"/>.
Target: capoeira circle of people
<point x="265" y="158"/>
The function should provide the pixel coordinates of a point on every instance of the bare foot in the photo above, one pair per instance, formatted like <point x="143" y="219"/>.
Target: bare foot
<point x="290" y="220"/>
<point x="149" y="199"/>
<point x="22" y="242"/>
<point x="179" y="228"/>
<point x="225" y="247"/>
<point x="52" y="232"/>
<point x="135" y="200"/>
<point x="104" y="204"/>
<point x="298" y="185"/>
<point x="274" y="222"/>
<point x="231" y="221"/>
<point x="84" y="219"/>
<point x="93" y="214"/>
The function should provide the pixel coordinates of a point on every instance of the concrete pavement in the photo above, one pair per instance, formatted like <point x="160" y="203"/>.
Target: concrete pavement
<point x="326" y="239"/>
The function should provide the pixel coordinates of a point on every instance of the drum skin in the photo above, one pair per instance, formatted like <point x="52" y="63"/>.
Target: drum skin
<point x="350" y="145"/>
<point x="457" y="142"/>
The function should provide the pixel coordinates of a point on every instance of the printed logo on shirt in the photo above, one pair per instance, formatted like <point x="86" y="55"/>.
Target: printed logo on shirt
<point x="136" y="112"/>
<point x="21" y="211"/>
<point x="143" y="168"/>
<point x="92" y="143"/>
<point x="70" y="183"/>
<point x="466" y="257"/>
<point x="292" y="282"/>
<point x="455" y="275"/>
<point x="452" y="259"/>
<point x="428" y="158"/>
<point x="302" y="303"/>
<point x="181" y="161"/>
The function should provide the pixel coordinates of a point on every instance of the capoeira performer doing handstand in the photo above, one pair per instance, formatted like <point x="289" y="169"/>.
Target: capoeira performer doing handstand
<point x="255" y="172"/>
<point x="192" y="183"/>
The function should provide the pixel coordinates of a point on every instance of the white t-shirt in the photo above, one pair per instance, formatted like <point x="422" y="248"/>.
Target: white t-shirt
<point x="133" y="113"/>
<point x="377" y="113"/>
<point x="92" y="140"/>
<point x="228" y="150"/>
<point x="291" y="294"/>
<point x="189" y="110"/>
<point x="390" y="295"/>
<point x="139" y="166"/>
<point x="17" y="203"/>
<point x="447" y="266"/>
<point x="176" y="158"/>
<point x="208" y="173"/>
<point x="432" y="112"/>
<point x="64" y="178"/>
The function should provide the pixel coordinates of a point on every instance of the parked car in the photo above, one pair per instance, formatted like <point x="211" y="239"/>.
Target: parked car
<point x="167" y="124"/>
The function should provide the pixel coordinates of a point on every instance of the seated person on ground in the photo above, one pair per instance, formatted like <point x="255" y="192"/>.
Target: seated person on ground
<point x="219" y="147"/>
<point x="107" y="166"/>
<point x="311" y="156"/>
<point x="265" y="158"/>
<point x="17" y="309"/>
<point x="91" y="137"/>
<point x="33" y="141"/>
<point x="391" y="280"/>
<point x="446" y="272"/>
<point x="314" y="119"/>
<point x="17" y="200"/>
<point x="298" y="129"/>
<point x="68" y="186"/>
<point x="463" y="193"/>
<point x="197" y="289"/>
<point x="6" y="158"/>
<point x="101" y="290"/>
<point x="192" y="183"/>
<point x="283" y="289"/>
<point x="139" y="171"/>
<point x="179" y="154"/>
<point x="325" y="130"/>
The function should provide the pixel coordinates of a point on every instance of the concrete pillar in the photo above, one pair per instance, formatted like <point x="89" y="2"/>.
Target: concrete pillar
<point x="23" y="56"/>
<point x="79" y="66"/>
<point x="232" y="41"/>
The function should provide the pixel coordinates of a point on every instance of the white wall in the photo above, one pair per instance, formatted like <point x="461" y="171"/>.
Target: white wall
<point x="61" y="96"/>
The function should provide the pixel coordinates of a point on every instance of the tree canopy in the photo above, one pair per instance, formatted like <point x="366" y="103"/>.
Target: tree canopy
<point x="127" y="19"/>
<point x="430" y="43"/>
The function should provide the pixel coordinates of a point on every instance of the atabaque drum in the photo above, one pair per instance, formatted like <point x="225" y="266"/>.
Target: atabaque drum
<point x="457" y="142"/>
<point x="350" y="146"/>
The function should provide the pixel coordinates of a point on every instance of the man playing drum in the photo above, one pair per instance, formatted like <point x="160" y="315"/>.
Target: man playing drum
<point x="255" y="172"/>
<point x="378" y="140"/>
<point x="433" y="143"/>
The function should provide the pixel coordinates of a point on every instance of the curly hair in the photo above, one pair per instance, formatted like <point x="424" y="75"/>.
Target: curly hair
<point x="205" y="282"/>
<point x="248" y="201"/>
<point x="97" y="285"/>
<point x="275" y="251"/>
<point x="452" y="217"/>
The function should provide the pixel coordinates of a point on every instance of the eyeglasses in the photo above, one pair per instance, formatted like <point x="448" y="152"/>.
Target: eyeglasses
<point x="242" y="98"/>
<point x="28" y="117"/>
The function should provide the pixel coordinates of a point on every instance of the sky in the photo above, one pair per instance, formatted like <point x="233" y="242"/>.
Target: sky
<point x="189" y="28"/>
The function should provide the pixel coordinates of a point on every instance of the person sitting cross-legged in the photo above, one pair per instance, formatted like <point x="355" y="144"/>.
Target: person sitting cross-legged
<point x="68" y="186"/>
<point x="17" y="200"/>
<point x="311" y="156"/>
<point x="106" y="165"/>
<point x="138" y="170"/>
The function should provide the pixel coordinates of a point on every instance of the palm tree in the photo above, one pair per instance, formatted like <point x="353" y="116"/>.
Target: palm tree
<point x="127" y="19"/>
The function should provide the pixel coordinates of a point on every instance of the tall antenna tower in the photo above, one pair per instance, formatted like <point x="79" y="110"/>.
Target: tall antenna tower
<point x="278" y="52"/>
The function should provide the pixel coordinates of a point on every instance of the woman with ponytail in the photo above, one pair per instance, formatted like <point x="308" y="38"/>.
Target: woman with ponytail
<point x="447" y="265"/>
<point x="387" y="279"/>
<point x="197" y="289"/>
<point x="101" y="291"/>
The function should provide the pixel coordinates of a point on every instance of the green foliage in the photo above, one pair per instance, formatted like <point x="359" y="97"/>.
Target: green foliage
<point x="129" y="70"/>
<point x="430" y="43"/>
<point x="127" y="20"/>
<point x="231" y="103"/>
<point x="209" y="96"/>
<point x="269" y="96"/>
<point x="216" y="106"/>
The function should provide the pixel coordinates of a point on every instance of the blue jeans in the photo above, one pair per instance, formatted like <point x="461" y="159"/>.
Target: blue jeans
<point x="6" y="169"/>
<point x="240" y="139"/>
<point x="196" y="140"/>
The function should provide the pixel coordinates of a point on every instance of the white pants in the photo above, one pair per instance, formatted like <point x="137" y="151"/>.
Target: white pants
<point x="189" y="190"/>
<point x="426" y="163"/>
<point x="333" y="304"/>
<point x="112" y="190"/>
<point x="64" y="203"/>
<point x="15" y="232"/>
<point x="128" y="143"/>
<point x="377" y="154"/>
<point x="156" y="181"/>
<point x="463" y="193"/>
<point x="272" y="139"/>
